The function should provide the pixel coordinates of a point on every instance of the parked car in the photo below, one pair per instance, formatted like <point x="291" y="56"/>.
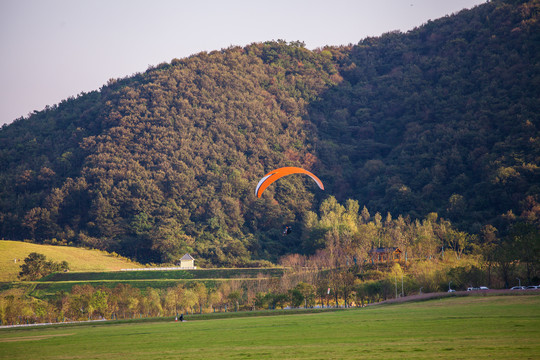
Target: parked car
<point x="451" y="290"/>
<point x="532" y="287"/>
<point x="518" y="288"/>
<point x="477" y="288"/>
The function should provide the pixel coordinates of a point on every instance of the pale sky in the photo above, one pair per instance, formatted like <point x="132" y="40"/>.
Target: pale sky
<point x="53" y="49"/>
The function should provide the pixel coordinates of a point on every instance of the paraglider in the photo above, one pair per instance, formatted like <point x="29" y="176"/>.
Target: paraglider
<point x="279" y="173"/>
<point x="287" y="230"/>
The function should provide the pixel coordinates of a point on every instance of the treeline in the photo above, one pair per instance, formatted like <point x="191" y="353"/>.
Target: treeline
<point x="294" y="289"/>
<point x="124" y="301"/>
<point x="299" y="287"/>
<point x="444" y="119"/>
<point x="343" y="236"/>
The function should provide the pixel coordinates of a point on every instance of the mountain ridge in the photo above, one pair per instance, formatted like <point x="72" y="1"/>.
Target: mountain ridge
<point x="443" y="118"/>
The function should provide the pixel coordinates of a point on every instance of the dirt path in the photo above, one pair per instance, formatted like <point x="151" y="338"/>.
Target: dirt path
<point x="32" y="338"/>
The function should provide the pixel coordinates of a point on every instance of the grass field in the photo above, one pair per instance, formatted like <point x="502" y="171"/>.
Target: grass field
<point x="166" y="274"/>
<point x="49" y="285"/>
<point x="46" y="290"/>
<point x="78" y="259"/>
<point x="473" y="327"/>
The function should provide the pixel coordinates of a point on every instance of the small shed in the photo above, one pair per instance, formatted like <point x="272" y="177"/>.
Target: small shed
<point x="385" y="254"/>
<point x="186" y="262"/>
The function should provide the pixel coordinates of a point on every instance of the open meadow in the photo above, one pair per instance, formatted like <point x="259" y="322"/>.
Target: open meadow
<point x="471" y="327"/>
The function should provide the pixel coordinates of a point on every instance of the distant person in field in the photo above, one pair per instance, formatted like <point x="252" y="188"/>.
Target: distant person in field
<point x="181" y="317"/>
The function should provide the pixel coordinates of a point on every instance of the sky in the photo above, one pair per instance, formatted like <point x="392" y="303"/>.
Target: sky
<point x="51" y="50"/>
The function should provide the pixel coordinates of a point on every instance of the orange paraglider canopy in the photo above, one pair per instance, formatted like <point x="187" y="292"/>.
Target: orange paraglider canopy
<point x="281" y="172"/>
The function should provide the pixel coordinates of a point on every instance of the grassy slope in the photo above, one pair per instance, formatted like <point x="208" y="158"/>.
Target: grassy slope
<point x="78" y="259"/>
<point x="499" y="327"/>
<point x="100" y="268"/>
<point x="167" y="274"/>
<point x="53" y="283"/>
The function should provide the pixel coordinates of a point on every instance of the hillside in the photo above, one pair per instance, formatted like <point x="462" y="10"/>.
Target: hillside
<point x="443" y="119"/>
<point x="79" y="259"/>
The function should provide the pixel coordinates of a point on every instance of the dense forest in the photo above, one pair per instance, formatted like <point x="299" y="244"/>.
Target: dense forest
<point x="437" y="128"/>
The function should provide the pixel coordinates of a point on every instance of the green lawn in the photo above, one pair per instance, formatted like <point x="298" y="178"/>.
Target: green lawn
<point x="161" y="279"/>
<point x="495" y="327"/>
<point x="43" y="290"/>
<point x="166" y="274"/>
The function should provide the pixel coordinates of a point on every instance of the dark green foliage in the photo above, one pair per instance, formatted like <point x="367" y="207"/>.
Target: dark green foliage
<point x="36" y="266"/>
<point x="444" y="118"/>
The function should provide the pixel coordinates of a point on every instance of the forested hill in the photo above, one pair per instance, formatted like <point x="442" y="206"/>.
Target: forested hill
<point x="444" y="118"/>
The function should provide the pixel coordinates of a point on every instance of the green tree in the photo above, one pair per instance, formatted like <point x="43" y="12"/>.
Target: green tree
<point x="279" y="300"/>
<point x="526" y="242"/>
<point x="234" y="297"/>
<point x="36" y="266"/>
<point x="505" y="260"/>
<point x="170" y="241"/>
<point x="201" y="292"/>
<point x="308" y="293"/>
<point x="98" y="302"/>
<point x="295" y="297"/>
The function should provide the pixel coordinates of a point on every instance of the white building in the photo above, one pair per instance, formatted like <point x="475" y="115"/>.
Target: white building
<point x="187" y="262"/>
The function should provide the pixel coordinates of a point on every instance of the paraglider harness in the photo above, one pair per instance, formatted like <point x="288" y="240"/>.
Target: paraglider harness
<point x="287" y="230"/>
